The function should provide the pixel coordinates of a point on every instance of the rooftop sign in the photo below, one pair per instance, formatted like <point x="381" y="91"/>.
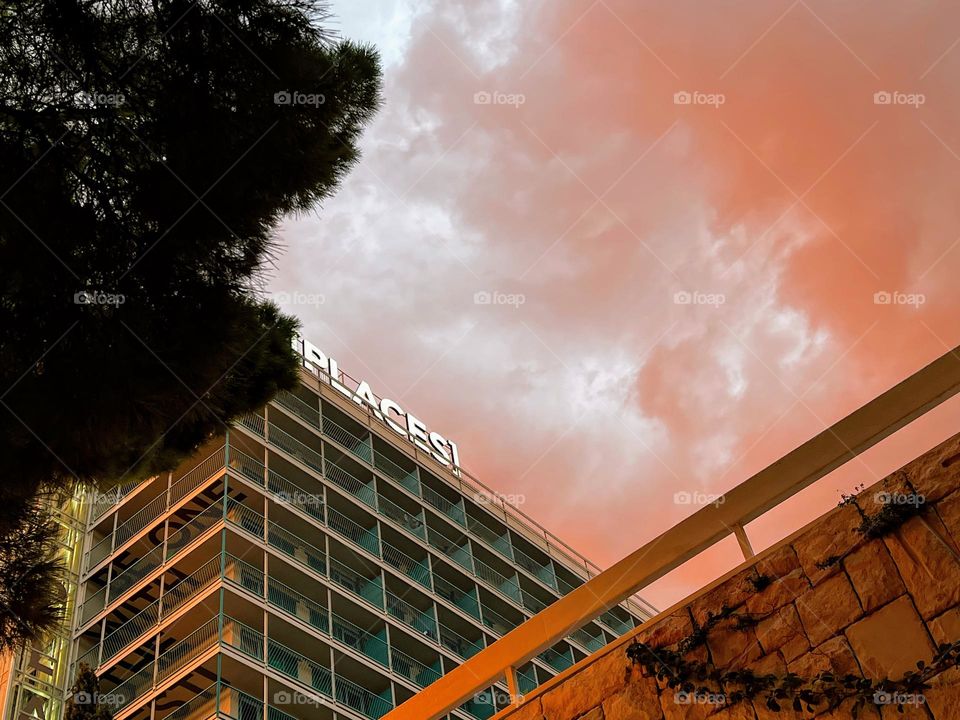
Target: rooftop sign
<point x="387" y="411"/>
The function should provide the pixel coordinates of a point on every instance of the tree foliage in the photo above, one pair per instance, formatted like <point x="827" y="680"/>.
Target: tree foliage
<point x="148" y="151"/>
<point x="84" y="701"/>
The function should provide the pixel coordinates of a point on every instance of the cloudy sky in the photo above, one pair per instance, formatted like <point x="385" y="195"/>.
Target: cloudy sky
<point x="619" y="250"/>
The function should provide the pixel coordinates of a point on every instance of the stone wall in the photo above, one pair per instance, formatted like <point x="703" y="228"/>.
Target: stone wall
<point x="837" y="602"/>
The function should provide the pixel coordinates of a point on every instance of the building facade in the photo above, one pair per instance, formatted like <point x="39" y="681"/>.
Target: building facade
<point x="315" y="562"/>
<point x="34" y="680"/>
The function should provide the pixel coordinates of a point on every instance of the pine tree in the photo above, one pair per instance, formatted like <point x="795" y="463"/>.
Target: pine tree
<point x="148" y="151"/>
<point x="85" y="701"/>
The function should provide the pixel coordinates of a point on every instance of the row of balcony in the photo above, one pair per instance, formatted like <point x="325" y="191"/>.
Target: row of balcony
<point x="460" y="553"/>
<point x="362" y="448"/>
<point x="263" y="651"/>
<point x="367" y="538"/>
<point x="291" y="603"/>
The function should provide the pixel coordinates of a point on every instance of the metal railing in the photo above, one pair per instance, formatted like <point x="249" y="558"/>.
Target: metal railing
<point x="154" y="509"/>
<point x="814" y="459"/>
<point x="454" y="511"/>
<point x="461" y="479"/>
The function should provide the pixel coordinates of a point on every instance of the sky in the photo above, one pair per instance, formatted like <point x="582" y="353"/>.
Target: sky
<point x="628" y="253"/>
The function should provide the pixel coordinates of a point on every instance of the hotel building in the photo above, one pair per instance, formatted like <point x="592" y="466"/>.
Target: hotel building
<point x="314" y="563"/>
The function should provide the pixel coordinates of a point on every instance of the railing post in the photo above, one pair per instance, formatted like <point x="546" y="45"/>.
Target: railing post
<point x="512" y="688"/>
<point x="744" y="541"/>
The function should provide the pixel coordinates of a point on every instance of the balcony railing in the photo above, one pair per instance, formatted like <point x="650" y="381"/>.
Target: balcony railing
<point x="148" y="619"/>
<point x="263" y="651"/>
<point x="150" y="512"/>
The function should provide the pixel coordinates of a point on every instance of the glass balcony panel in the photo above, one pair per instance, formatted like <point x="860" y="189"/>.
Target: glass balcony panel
<point x="464" y="600"/>
<point x="417" y="672"/>
<point x="458" y="644"/>
<point x="416" y="570"/>
<point x="362" y="700"/>
<point x="360" y="536"/>
<point x="307" y="413"/>
<point x="423" y="621"/>
<point x="295" y="449"/>
<point x="359" y="446"/>
<point x="409" y="521"/>
<point x="352" y="484"/>
<point x="406" y="478"/>
<point x="373" y="646"/>
<point x="370" y="589"/>
<point x="453" y="510"/>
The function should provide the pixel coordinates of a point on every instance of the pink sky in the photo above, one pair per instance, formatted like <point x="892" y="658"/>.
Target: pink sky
<point x="782" y="199"/>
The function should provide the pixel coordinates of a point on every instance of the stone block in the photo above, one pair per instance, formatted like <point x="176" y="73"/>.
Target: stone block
<point x="945" y="628"/>
<point x="828" y="608"/>
<point x="783" y="631"/>
<point x="874" y="575"/>
<point x="778" y="563"/>
<point x="835" y="655"/>
<point x="778" y="593"/>
<point x="732" y="648"/>
<point x="668" y="631"/>
<point x="732" y="593"/>
<point x="638" y="700"/>
<point x="889" y="642"/>
<point x="937" y="473"/>
<point x="586" y="689"/>
<point x="926" y="562"/>
<point x="832" y="536"/>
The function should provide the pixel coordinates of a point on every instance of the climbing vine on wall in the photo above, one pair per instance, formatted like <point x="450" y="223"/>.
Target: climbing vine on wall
<point x="674" y="670"/>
